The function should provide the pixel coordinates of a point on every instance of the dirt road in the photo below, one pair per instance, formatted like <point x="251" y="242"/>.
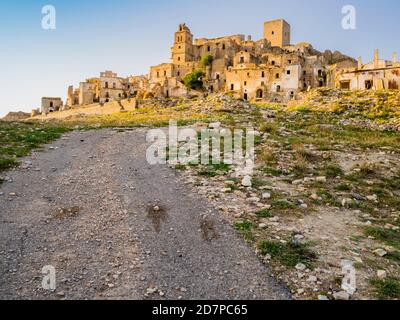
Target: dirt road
<point x="85" y="206"/>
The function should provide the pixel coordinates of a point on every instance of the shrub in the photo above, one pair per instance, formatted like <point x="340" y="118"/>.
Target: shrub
<point x="207" y="60"/>
<point x="194" y="80"/>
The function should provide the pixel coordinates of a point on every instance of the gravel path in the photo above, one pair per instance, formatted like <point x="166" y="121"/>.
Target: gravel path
<point x="85" y="206"/>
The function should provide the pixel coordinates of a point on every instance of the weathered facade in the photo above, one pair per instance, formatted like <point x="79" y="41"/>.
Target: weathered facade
<point x="376" y="75"/>
<point x="50" y="104"/>
<point x="268" y="69"/>
<point x="105" y="88"/>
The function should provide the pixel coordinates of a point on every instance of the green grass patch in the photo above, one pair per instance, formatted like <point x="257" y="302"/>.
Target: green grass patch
<point x="6" y="163"/>
<point x="283" y="205"/>
<point x="288" y="254"/>
<point x="264" y="213"/>
<point x="386" y="289"/>
<point x="389" y="237"/>
<point x="245" y="229"/>
<point x="333" y="170"/>
<point x="17" y="139"/>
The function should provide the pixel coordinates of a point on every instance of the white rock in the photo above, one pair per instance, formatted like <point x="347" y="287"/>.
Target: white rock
<point x="246" y="182"/>
<point x="312" y="279"/>
<point x="323" y="298"/>
<point x="380" y="252"/>
<point x="320" y="179"/>
<point x="342" y="295"/>
<point x="382" y="274"/>
<point x="297" y="182"/>
<point x="314" y="196"/>
<point x="301" y="267"/>
<point x="300" y="291"/>
<point x="262" y="225"/>
<point x="266" y="195"/>
<point x="372" y="198"/>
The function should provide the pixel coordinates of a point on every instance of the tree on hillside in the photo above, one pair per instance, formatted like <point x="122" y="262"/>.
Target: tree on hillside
<point x="194" y="80"/>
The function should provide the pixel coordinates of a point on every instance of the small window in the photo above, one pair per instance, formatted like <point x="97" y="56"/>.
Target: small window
<point x="273" y="62"/>
<point x="248" y="74"/>
<point x="165" y="73"/>
<point x="232" y="87"/>
<point x="290" y="61"/>
<point x="245" y="83"/>
<point x="223" y="46"/>
<point x="263" y="74"/>
<point x="241" y="59"/>
<point x="278" y="88"/>
<point x="217" y="76"/>
<point x="277" y="76"/>
<point x="288" y="72"/>
<point x="208" y="48"/>
<point x="106" y="85"/>
<point x="179" y="73"/>
<point x="179" y="58"/>
<point x="273" y="32"/>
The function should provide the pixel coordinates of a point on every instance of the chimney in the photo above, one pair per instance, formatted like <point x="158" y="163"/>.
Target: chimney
<point x="359" y="63"/>
<point x="248" y="38"/>
<point x="394" y="58"/>
<point x="376" y="58"/>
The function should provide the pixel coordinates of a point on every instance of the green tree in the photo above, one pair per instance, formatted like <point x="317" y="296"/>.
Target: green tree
<point x="207" y="60"/>
<point x="194" y="80"/>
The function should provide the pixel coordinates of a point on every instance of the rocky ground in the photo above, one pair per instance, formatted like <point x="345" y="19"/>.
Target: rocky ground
<point x="322" y="200"/>
<point x="322" y="196"/>
<point x="115" y="227"/>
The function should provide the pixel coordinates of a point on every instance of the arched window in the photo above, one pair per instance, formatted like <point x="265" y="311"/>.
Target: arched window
<point x="259" y="94"/>
<point x="278" y="88"/>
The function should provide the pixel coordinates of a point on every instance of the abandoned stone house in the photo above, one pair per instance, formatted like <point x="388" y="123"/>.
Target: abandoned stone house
<point x="105" y="88"/>
<point x="268" y="69"/>
<point x="51" y="104"/>
<point x="376" y="75"/>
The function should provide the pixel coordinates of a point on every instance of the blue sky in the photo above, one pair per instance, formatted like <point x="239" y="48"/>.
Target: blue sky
<point x="128" y="36"/>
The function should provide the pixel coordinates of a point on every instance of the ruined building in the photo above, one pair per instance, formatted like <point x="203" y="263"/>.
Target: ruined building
<point x="50" y="104"/>
<point x="268" y="69"/>
<point x="105" y="88"/>
<point x="376" y="75"/>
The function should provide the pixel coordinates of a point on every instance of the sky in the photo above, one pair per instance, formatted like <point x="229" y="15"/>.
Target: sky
<point x="129" y="36"/>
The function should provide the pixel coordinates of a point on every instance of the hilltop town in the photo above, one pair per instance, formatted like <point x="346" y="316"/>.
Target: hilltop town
<point x="271" y="69"/>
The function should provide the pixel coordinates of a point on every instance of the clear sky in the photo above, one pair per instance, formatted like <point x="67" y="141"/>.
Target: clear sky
<point x="128" y="36"/>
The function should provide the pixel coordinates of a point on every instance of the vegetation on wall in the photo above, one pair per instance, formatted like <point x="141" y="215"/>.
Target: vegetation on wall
<point x="194" y="80"/>
<point x="207" y="60"/>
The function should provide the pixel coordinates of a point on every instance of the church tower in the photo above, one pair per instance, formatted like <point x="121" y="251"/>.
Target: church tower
<point x="182" y="51"/>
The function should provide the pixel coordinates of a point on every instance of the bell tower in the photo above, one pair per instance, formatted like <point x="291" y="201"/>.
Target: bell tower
<point x="182" y="51"/>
